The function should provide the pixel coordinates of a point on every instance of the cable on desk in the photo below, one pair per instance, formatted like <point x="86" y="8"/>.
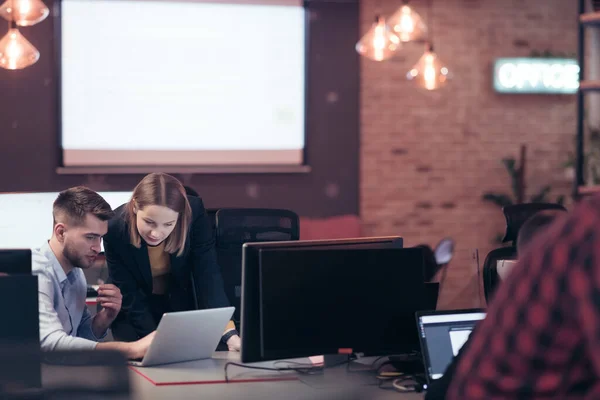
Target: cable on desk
<point x="301" y="368"/>
<point x="398" y="382"/>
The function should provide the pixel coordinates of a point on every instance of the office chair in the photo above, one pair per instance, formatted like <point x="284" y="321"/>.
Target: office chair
<point x="491" y="280"/>
<point x="515" y="216"/>
<point x="236" y="226"/>
<point x="212" y="217"/>
<point x="211" y="212"/>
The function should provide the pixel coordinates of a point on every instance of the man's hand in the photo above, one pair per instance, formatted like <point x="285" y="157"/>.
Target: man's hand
<point x="139" y="348"/>
<point x="109" y="297"/>
<point x="131" y="350"/>
<point x="234" y="343"/>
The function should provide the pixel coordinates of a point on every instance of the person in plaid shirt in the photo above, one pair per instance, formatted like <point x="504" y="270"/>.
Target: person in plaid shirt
<point x="541" y="336"/>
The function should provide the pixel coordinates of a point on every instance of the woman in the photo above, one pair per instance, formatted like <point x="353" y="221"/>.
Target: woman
<point x="160" y="253"/>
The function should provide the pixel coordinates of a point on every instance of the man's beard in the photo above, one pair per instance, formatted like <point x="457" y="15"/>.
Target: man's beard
<point x="76" y="260"/>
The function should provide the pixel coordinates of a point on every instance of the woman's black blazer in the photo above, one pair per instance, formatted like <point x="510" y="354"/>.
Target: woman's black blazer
<point x="196" y="277"/>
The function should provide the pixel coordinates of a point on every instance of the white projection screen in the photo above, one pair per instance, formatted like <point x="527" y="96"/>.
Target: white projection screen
<point x="26" y="218"/>
<point x="188" y="83"/>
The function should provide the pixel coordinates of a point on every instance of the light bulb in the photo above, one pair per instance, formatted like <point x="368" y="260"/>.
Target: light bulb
<point x="24" y="12"/>
<point x="378" y="43"/>
<point x="407" y="24"/>
<point x="16" y="52"/>
<point x="429" y="72"/>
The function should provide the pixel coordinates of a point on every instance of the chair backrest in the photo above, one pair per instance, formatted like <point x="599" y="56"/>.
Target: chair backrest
<point x="212" y="217"/>
<point x="491" y="280"/>
<point x="236" y="226"/>
<point x="517" y="214"/>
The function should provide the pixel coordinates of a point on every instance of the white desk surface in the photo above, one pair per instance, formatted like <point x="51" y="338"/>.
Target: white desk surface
<point x="334" y="384"/>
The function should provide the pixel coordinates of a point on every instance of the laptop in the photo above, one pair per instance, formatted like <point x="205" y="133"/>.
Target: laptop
<point x="186" y="336"/>
<point x="442" y="335"/>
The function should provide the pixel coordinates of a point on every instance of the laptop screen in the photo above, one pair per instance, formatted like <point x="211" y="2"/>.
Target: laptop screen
<point x="442" y="336"/>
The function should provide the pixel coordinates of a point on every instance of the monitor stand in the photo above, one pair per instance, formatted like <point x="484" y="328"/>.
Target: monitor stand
<point x="408" y="364"/>
<point x="332" y="360"/>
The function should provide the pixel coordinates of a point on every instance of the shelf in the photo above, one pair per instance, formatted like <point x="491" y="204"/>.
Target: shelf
<point x="592" y="18"/>
<point x="257" y="169"/>
<point x="588" y="190"/>
<point x="588" y="86"/>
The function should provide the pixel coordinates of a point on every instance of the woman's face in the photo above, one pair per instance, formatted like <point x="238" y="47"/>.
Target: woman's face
<point x="155" y="223"/>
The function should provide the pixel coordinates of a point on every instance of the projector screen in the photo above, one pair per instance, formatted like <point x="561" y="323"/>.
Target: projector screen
<point x="190" y="83"/>
<point x="26" y="218"/>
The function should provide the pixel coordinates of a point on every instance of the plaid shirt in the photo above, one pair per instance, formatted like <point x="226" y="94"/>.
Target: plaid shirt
<point x="541" y="336"/>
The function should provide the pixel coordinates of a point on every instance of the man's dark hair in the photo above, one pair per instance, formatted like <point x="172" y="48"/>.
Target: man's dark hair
<point x="534" y="225"/>
<point x="72" y="205"/>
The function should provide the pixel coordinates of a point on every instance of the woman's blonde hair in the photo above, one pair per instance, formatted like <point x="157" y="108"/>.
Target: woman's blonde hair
<point x="158" y="189"/>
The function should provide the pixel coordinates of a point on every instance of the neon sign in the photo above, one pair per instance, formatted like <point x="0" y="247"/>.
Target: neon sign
<point x="536" y="75"/>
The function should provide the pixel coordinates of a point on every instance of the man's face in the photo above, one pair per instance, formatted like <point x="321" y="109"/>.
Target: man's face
<point x="82" y="243"/>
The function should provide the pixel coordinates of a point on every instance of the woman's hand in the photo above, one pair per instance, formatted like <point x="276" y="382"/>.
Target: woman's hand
<point x="234" y="343"/>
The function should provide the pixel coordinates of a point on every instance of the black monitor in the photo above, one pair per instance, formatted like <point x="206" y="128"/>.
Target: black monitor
<point x="250" y="302"/>
<point x="15" y="261"/>
<point x="250" y="252"/>
<point x="297" y="285"/>
<point x="19" y="332"/>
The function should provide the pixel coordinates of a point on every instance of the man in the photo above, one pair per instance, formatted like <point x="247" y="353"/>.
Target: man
<point x="80" y="220"/>
<point x="535" y="225"/>
<point x="541" y="336"/>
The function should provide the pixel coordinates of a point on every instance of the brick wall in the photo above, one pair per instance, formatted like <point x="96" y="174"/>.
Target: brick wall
<point x="426" y="157"/>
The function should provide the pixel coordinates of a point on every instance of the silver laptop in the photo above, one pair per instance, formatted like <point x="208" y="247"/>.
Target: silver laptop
<point x="186" y="336"/>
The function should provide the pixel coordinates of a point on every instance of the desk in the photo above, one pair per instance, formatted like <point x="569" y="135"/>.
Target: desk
<point x="334" y="384"/>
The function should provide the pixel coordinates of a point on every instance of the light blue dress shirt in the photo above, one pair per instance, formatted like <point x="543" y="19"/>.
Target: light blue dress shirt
<point x="65" y="322"/>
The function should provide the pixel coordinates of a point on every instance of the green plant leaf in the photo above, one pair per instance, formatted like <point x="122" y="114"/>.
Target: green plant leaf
<point x="499" y="199"/>
<point x="511" y="167"/>
<point x="509" y="164"/>
<point x="547" y="54"/>
<point x="540" y="197"/>
<point x="560" y="200"/>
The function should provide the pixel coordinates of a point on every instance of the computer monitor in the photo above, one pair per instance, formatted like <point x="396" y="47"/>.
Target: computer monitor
<point x="250" y="302"/>
<point x="330" y="301"/>
<point x="19" y="332"/>
<point x="15" y="261"/>
<point x="442" y="335"/>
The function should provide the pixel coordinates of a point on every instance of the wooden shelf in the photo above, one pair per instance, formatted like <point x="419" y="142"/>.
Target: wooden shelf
<point x="588" y="190"/>
<point x="592" y="18"/>
<point x="588" y="86"/>
<point x="258" y="169"/>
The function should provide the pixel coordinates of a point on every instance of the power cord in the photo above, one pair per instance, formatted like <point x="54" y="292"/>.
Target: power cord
<point x="417" y="386"/>
<point x="400" y="383"/>
<point x="301" y="368"/>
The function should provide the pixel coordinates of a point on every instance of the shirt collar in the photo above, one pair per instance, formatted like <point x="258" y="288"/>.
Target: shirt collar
<point x="58" y="270"/>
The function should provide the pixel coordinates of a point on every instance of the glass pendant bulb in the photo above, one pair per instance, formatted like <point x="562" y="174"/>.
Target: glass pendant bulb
<point x="429" y="72"/>
<point x="24" y="12"/>
<point x="379" y="43"/>
<point x="16" y="52"/>
<point x="407" y="24"/>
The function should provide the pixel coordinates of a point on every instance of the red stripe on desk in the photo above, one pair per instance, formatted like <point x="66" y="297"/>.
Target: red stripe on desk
<point x="248" y="380"/>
